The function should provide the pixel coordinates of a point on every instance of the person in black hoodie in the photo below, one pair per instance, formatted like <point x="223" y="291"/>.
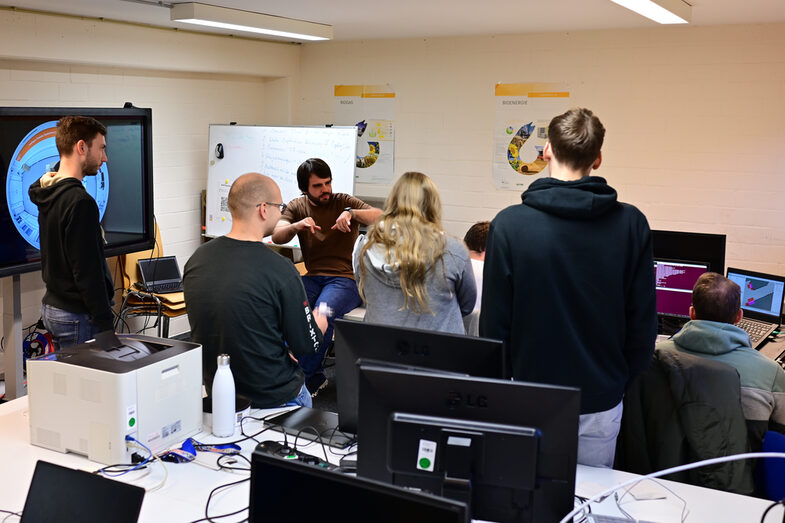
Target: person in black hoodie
<point x="79" y="287"/>
<point x="569" y="284"/>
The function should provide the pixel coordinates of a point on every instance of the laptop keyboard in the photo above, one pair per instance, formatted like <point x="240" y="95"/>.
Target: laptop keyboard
<point x="164" y="288"/>
<point x="757" y="330"/>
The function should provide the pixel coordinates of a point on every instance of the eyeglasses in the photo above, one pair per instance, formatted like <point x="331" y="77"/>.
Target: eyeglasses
<point x="281" y="206"/>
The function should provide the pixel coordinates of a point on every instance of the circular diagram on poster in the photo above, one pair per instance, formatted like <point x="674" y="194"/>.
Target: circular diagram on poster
<point x="35" y="155"/>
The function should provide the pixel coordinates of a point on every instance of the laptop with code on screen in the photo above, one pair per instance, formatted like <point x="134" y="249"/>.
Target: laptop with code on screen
<point x="761" y="301"/>
<point x="160" y="275"/>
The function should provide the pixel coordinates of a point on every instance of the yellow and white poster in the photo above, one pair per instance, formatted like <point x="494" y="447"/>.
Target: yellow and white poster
<point x="372" y="109"/>
<point x="523" y="112"/>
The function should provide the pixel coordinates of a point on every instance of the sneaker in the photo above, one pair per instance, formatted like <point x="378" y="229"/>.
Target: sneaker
<point x="316" y="383"/>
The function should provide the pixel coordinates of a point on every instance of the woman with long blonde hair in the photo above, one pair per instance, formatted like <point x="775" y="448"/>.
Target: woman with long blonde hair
<point x="409" y="272"/>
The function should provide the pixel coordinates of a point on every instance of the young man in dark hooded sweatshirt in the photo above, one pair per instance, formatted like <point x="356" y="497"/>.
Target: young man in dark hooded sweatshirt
<point x="79" y="288"/>
<point x="569" y="284"/>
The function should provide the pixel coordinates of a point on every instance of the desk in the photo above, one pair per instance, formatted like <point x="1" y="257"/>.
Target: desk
<point x="183" y="496"/>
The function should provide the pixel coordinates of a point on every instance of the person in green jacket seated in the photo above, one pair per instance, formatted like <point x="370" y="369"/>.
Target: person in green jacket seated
<point x="711" y="333"/>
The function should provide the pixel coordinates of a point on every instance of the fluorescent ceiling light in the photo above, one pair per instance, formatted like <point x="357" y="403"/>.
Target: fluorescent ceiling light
<point x="250" y="22"/>
<point x="661" y="11"/>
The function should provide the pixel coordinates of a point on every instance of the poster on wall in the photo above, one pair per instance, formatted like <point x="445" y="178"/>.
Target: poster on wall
<point x="523" y="112"/>
<point x="372" y="109"/>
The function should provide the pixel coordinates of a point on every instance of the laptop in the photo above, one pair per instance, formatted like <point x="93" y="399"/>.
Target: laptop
<point x="761" y="301"/>
<point x="160" y="275"/>
<point x="68" y="495"/>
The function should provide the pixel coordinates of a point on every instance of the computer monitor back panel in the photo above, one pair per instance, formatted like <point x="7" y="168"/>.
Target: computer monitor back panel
<point x="278" y="484"/>
<point x="551" y="411"/>
<point x="405" y="346"/>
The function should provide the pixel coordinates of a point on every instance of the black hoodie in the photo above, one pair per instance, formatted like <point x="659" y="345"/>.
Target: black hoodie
<point x="73" y="264"/>
<point x="568" y="284"/>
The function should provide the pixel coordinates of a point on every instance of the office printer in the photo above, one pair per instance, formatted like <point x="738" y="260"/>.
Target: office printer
<point x="86" y="400"/>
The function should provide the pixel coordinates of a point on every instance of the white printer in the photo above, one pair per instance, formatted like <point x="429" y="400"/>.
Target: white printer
<point x="86" y="400"/>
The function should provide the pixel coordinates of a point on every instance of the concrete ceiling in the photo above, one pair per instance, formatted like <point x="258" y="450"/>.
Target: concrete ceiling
<point x="363" y="19"/>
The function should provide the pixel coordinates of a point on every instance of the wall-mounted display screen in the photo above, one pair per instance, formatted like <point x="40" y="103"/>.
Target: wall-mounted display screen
<point x="123" y="187"/>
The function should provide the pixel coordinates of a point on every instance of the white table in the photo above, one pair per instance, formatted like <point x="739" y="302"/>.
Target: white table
<point x="183" y="496"/>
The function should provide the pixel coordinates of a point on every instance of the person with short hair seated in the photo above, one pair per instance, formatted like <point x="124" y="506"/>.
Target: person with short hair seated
<point x="711" y="333"/>
<point x="247" y="301"/>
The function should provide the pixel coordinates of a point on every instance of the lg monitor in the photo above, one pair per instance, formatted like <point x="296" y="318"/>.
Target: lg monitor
<point x="122" y="189"/>
<point x="508" y="449"/>
<point x="410" y="347"/>
<point x="279" y="486"/>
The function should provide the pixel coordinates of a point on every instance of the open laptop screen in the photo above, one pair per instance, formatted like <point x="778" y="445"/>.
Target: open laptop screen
<point x="761" y="294"/>
<point x="674" y="283"/>
<point x="159" y="270"/>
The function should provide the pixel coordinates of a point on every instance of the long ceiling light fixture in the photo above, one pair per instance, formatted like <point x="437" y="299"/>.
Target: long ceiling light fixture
<point x="248" y="21"/>
<point x="661" y="11"/>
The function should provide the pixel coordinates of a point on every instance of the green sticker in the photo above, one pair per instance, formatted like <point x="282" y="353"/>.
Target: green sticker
<point x="425" y="463"/>
<point x="131" y="422"/>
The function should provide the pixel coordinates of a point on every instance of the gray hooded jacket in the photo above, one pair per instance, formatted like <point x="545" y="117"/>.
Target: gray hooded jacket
<point x="449" y="285"/>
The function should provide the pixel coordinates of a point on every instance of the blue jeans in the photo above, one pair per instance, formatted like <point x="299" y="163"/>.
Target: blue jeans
<point x="340" y="294"/>
<point x="303" y="399"/>
<point x="67" y="328"/>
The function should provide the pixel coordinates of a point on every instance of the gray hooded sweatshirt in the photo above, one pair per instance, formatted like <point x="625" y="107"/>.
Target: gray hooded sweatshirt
<point x="450" y="288"/>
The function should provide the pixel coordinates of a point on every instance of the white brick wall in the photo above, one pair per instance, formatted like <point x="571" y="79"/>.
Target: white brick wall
<point x="693" y="116"/>
<point x="183" y="105"/>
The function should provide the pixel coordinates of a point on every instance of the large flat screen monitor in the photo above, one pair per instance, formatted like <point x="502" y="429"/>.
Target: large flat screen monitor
<point x="280" y="486"/>
<point x="123" y="187"/>
<point x="406" y="346"/>
<point x="674" y="281"/>
<point x="695" y="246"/>
<point x="507" y="448"/>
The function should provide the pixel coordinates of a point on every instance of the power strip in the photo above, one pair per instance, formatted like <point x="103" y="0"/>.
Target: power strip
<point x="284" y="451"/>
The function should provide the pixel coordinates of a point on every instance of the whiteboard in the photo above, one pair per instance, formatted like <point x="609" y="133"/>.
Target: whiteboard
<point x="276" y="152"/>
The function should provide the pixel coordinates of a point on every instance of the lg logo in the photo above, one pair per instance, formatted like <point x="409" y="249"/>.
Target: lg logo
<point x="405" y="348"/>
<point x="457" y="400"/>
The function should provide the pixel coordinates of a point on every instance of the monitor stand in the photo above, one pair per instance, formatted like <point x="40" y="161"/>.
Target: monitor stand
<point x="312" y="424"/>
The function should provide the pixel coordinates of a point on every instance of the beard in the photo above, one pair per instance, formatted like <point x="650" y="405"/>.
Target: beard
<point x="319" y="201"/>
<point x="91" y="169"/>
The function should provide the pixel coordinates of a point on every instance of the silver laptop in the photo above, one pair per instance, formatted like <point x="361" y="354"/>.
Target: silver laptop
<point x="160" y="275"/>
<point x="761" y="301"/>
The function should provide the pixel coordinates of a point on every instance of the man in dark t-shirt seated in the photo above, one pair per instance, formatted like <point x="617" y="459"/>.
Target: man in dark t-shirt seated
<point x="327" y="225"/>
<point x="247" y="301"/>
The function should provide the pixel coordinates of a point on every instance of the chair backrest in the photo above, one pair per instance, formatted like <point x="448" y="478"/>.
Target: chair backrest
<point x="773" y="469"/>
<point x="686" y="408"/>
<point x="129" y="262"/>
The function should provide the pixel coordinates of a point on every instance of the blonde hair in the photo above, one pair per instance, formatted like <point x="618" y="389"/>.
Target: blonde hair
<point x="410" y="232"/>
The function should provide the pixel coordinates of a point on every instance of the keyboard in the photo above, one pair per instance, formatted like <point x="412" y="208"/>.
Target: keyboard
<point x="757" y="330"/>
<point x="164" y="288"/>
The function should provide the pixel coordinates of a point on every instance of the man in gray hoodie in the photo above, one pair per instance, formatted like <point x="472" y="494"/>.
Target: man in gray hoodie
<point x="711" y="333"/>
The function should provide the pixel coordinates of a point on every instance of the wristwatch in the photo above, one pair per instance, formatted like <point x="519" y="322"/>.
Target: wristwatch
<point x="351" y="211"/>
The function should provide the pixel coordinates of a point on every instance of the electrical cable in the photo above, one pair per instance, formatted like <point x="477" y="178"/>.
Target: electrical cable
<point x="318" y="440"/>
<point x="207" y="516"/>
<point x="684" y="511"/>
<point x="766" y="512"/>
<point x="689" y="466"/>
